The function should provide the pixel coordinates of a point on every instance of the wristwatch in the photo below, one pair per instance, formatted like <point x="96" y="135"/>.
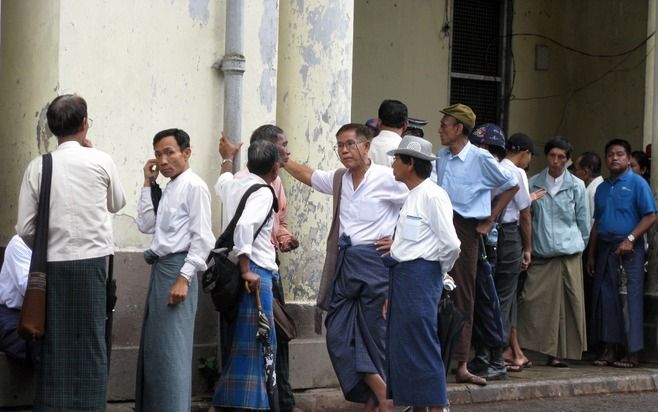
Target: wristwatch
<point x="630" y="238"/>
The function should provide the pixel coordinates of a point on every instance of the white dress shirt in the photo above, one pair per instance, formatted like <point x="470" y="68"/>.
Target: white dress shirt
<point x="553" y="184"/>
<point x="14" y="273"/>
<point x="258" y="207"/>
<point x="425" y="229"/>
<point x="369" y="212"/>
<point x="591" y="191"/>
<point x="521" y="199"/>
<point x="85" y="189"/>
<point x="183" y="222"/>
<point x="386" y="140"/>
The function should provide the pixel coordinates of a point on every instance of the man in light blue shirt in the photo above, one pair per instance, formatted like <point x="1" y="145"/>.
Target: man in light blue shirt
<point x="469" y="174"/>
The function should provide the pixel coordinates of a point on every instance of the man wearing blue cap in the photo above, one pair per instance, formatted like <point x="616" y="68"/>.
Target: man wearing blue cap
<point x="469" y="174"/>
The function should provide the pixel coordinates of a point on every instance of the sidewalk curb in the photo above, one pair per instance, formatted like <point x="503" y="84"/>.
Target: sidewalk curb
<point x="331" y="399"/>
<point x="552" y="388"/>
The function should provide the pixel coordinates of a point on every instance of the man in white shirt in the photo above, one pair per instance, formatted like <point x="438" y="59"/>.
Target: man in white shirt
<point x="13" y="281"/>
<point x="392" y="122"/>
<point x="588" y="169"/>
<point x="242" y="384"/>
<point x="85" y="191"/>
<point x="354" y="283"/>
<point x="425" y="246"/>
<point x="283" y="242"/>
<point x="182" y="239"/>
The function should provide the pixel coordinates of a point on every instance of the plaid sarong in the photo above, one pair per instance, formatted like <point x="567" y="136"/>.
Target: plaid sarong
<point x="242" y="384"/>
<point x="72" y="373"/>
<point x="164" y="366"/>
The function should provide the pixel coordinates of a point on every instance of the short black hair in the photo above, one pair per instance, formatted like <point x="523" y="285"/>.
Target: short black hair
<point x="360" y="129"/>
<point x="65" y="114"/>
<point x="644" y="161"/>
<point x="393" y="113"/>
<point x="466" y="131"/>
<point x="262" y="155"/>
<point x="182" y="138"/>
<point x="591" y="162"/>
<point x="266" y="132"/>
<point x="618" y="142"/>
<point x="422" y="167"/>
<point x="559" y="142"/>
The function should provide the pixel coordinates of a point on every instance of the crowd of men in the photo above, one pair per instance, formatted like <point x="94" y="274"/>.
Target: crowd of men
<point x="405" y="220"/>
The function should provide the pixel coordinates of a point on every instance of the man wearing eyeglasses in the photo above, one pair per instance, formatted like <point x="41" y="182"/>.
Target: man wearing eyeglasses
<point x="469" y="174"/>
<point x="354" y="284"/>
<point x="85" y="191"/>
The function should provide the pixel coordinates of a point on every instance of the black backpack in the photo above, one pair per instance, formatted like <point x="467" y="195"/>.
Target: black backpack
<point x="222" y="279"/>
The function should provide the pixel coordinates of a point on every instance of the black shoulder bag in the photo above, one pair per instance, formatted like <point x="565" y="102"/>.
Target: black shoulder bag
<point x="222" y="279"/>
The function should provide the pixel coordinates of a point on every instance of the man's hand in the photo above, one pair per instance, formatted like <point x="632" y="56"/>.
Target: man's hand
<point x="228" y="150"/>
<point x="484" y="226"/>
<point x="150" y="172"/>
<point x="252" y="279"/>
<point x="178" y="291"/>
<point x="526" y="259"/>
<point x="383" y="245"/>
<point x="86" y="143"/>
<point x="626" y="246"/>
<point x="537" y="194"/>
<point x="289" y="244"/>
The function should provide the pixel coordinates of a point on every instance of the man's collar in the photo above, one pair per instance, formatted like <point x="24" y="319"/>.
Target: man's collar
<point x="69" y="144"/>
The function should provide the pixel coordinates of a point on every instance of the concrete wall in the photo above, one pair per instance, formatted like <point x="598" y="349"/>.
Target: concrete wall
<point x="587" y="99"/>
<point x="28" y="81"/>
<point x="401" y="52"/>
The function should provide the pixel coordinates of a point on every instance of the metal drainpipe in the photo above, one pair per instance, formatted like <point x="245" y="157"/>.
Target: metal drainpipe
<point x="233" y="66"/>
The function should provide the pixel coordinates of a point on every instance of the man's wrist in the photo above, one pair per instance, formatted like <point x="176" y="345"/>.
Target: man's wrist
<point x="630" y="238"/>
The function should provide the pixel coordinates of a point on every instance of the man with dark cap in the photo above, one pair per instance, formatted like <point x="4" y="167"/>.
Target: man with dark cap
<point x="415" y="127"/>
<point x="520" y="151"/>
<point x="469" y="174"/>
<point x="391" y="123"/>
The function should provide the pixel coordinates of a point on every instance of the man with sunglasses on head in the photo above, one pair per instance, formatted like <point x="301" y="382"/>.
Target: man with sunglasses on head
<point x="354" y="283"/>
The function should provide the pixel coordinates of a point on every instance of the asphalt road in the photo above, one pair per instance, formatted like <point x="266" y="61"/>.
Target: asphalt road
<point x="635" y="402"/>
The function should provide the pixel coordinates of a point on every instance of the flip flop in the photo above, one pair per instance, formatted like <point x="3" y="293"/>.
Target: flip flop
<point x="557" y="363"/>
<point x="473" y="379"/>
<point x="602" y="362"/>
<point x="625" y="364"/>
<point x="527" y="364"/>
<point x="513" y="368"/>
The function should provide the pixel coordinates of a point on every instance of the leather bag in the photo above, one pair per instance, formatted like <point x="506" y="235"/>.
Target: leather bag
<point x="32" y="325"/>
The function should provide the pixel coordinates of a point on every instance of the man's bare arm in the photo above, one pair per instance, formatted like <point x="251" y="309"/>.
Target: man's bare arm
<point x="525" y="226"/>
<point x="485" y="225"/>
<point x="299" y="171"/>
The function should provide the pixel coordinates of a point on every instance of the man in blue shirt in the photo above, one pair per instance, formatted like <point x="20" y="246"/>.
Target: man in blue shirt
<point x="624" y="210"/>
<point x="469" y="174"/>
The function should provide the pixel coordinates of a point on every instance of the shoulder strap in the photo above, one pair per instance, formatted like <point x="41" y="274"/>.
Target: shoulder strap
<point x="40" y="247"/>
<point x="228" y="232"/>
<point x="338" y="186"/>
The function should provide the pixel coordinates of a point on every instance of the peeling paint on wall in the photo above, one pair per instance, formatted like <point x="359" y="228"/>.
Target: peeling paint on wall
<point x="268" y="38"/>
<point x="44" y="134"/>
<point x="198" y="10"/>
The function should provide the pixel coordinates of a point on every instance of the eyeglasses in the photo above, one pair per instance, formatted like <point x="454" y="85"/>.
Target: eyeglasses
<point x="90" y="122"/>
<point x="350" y="145"/>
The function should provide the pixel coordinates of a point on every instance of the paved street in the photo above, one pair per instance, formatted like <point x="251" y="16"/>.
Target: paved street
<point x="636" y="402"/>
